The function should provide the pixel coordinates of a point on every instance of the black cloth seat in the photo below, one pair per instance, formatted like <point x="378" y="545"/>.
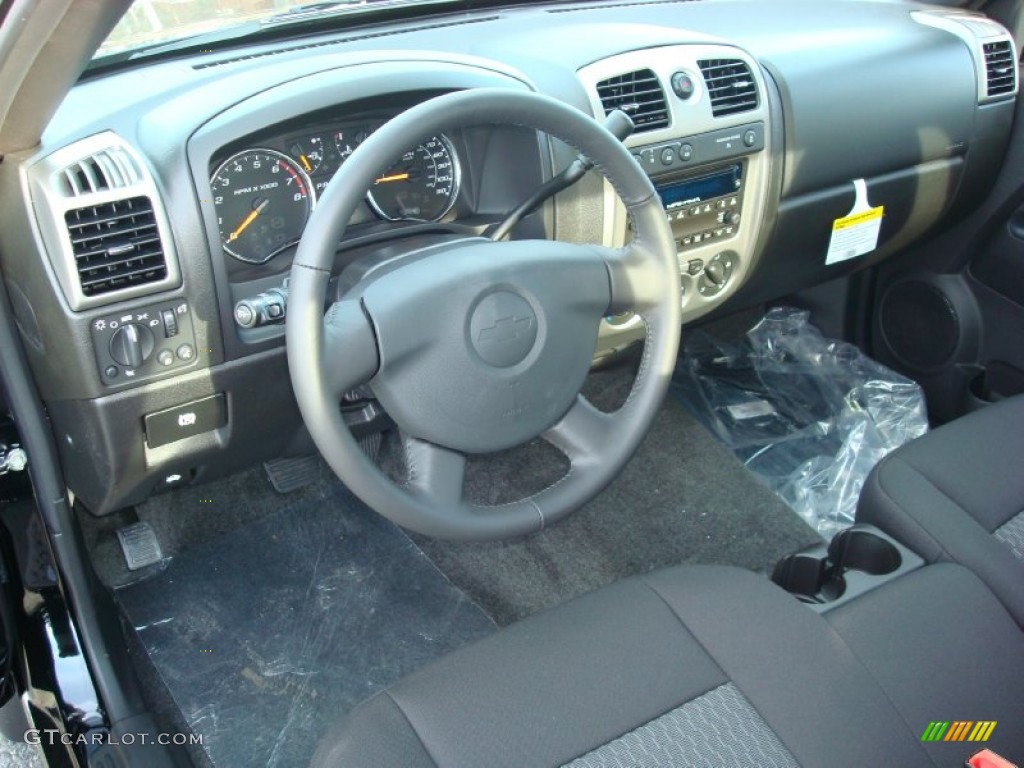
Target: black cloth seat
<point x="957" y="495"/>
<point x="709" y="666"/>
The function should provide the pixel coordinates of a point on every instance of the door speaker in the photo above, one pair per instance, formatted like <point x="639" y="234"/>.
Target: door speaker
<point x="920" y="324"/>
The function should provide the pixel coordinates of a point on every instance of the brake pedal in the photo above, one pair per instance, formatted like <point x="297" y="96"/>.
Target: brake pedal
<point x="139" y="545"/>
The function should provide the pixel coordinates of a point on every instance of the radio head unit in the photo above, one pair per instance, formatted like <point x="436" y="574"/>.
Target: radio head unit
<point x="703" y="207"/>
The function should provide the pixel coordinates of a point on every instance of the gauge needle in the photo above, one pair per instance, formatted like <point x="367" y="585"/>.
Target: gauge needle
<point x="248" y="220"/>
<point x="305" y="163"/>
<point x="393" y="177"/>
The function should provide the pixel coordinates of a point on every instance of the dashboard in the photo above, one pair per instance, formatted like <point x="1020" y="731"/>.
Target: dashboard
<point x="148" y="262"/>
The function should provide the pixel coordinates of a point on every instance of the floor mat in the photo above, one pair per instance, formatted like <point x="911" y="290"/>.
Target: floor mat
<point x="683" y="498"/>
<point x="265" y="634"/>
<point x="808" y="415"/>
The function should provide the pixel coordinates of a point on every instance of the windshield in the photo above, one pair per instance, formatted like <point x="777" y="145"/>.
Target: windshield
<point x="148" y="23"/>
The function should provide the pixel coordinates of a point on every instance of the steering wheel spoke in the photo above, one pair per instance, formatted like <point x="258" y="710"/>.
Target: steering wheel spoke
<point x="435" y="472"/>
<point x="582" y="432"/>
<point x="349" y="348"/>
<point x="634" y="287"/>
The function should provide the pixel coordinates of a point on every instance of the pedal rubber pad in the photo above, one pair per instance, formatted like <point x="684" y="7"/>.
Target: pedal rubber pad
<point x="288" y="475"/>
<point x="139" y="545"/>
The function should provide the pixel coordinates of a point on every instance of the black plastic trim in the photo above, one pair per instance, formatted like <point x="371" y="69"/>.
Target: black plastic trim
<point x="94" y="615"/>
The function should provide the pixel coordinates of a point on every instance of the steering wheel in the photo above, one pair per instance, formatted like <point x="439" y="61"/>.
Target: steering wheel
<point x="476" y="346"/>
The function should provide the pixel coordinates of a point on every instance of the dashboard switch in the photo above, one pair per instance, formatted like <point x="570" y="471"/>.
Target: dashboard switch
<point x="185" y="420"/>
<point x="264" y="309"/>
<point x="682" y="85"/>
<point x="131" y="345"/>
<point x="170" y="323"/>
<point x="245" y="315"/>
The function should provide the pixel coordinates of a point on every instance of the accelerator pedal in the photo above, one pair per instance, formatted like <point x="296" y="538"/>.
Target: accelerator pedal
<point x="139" y="545"/>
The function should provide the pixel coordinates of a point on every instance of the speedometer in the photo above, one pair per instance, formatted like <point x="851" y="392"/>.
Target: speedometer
<point x="263" y="200"/>
<point x="422" y="186"/>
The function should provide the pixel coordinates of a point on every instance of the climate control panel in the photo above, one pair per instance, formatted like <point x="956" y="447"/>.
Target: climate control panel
<point x="145" y="342"/>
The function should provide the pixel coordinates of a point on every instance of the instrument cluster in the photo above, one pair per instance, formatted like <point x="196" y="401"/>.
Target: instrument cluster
<point x="263" y="195"/>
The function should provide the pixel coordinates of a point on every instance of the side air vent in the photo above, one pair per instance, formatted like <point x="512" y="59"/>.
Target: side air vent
<point x="116" y="245"/>
<point x="992" y="48"/>
<point x="730" y="85"/>
<point x="111" y="168"/>
<point x="639" y="95"/>
<point x="102" y="222"/>
<point x="1000" y="68"/>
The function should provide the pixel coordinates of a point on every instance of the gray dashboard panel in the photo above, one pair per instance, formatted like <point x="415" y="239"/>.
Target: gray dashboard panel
<point x="857" y="90"/>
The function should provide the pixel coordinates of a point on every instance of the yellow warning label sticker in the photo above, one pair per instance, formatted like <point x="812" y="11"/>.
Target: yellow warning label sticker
<point x="855" y="234"/>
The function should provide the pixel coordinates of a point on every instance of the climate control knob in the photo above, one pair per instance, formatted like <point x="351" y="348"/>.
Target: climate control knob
<point x="131" y="344"/>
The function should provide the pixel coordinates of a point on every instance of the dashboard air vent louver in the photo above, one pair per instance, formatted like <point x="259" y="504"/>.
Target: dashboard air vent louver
<point x="116" y="245"/>
<point x="639" y="95"/>
<point x="1000" y="69"/>
<point x="107" y="169"/>
<point x="730" y="85"/>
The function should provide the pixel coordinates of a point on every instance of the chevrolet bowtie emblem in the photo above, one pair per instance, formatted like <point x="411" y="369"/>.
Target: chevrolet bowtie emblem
<point x="505" y="329"/>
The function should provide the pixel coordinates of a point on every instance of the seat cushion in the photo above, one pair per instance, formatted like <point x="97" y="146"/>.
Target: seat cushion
<point x="943" y="649"/>
<point x="689" y="666"/>
<point x="957" y="495"/>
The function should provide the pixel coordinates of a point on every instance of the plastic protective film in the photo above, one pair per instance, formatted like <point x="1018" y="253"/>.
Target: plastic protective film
<point x="809" y="415"/>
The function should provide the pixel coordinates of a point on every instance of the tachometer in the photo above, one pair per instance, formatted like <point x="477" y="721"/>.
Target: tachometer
<point x="263" y="199"/>
<point x="422" y="186"/>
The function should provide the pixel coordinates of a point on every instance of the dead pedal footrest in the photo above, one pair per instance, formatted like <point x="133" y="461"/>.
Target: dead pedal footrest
<point x="139" y="545"/>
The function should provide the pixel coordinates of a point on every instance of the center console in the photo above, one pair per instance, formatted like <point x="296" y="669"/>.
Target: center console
<point x="702" y="129"/>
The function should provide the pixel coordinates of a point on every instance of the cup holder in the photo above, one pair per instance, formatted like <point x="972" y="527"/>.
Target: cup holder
<point x="847" y="566"/>
<point x="808" y="576"/>
<point x="860" y="549"/>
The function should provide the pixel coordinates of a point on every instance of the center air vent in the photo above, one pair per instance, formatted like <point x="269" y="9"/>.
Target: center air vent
<point x="639" y="95"/>
<point x="730" y="85"/>
<point x="1000" y="68"/>
<point x="116" y="245"/>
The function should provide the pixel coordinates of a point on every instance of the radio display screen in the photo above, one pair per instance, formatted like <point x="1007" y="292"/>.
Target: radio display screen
<point x="700" y="189"/>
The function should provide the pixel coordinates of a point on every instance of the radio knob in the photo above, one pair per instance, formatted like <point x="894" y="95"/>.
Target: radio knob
<point x="732" y="218"/>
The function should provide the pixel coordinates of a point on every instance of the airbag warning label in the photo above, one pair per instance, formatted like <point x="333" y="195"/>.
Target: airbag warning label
<point x="855" y="235"/>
